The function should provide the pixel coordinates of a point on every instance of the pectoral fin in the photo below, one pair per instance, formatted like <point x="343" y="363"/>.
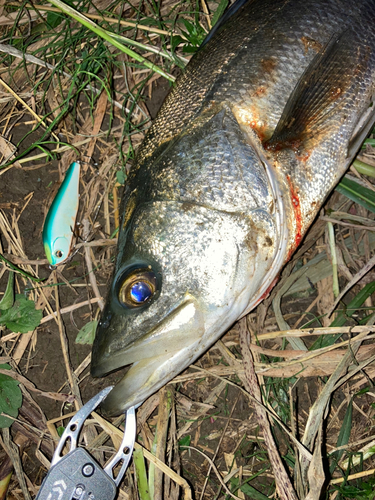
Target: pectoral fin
<point x="316" y="106"/>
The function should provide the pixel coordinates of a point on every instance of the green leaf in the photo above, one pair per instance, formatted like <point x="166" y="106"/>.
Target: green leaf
<point x="60" y="430"/>
<point x="364" y="168"/>
<point x="121" y="177"/>
<point x="175" y="41"/>
<point x="8" y="298"/>
<point x="195" y="35"/>
<point x="358" y="193"/>
<point x="86" y="334"/>
<point x="349" y="491"/>
<point x="365" y="390"/>
<point x="22" y="317"/>
<point x="190" y="49"/>
<point x="185" y="440"/>
<point x="10" y="398"/>
<point x="190" y="27"/>
<point x="141" y="474"/>
<point x="252" y="492"/>
<point x="219" y="11"/>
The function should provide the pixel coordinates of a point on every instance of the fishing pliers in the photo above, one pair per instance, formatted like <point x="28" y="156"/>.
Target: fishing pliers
<point x="76" y="475"/>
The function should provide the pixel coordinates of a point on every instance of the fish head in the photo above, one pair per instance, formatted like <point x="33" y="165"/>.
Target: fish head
<point x="190" y="261"/>
<point x="186" y="274"/>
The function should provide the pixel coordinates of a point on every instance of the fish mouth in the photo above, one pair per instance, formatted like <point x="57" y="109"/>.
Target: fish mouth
<point x="156" y="357"/>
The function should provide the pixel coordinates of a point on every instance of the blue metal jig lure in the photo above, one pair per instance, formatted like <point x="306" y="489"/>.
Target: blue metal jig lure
<point x="61" y="217"/>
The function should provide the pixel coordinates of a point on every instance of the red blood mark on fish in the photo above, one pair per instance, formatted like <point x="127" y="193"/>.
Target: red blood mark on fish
<point x="267" y="292"/>
<point x="297" y="213"/>
<point x="295" y="145"/>
<point x="249" y="117"/>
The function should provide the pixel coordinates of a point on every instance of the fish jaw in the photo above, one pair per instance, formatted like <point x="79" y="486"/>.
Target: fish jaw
<point x="162" y="353"/>
<point x="184" y="325"/>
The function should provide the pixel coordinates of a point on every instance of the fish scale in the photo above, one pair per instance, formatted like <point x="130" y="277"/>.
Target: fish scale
<point x="202" y="74"/>
<point x="257" y="131"/>
<point x="277" y="41"/>
<point x="222" y="183"/>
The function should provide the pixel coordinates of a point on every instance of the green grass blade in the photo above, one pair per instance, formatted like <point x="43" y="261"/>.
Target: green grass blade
<point x="219" y="11"/>
<point x="19" y="270"/>
<point x="358" y="193"/>
<point x="252" y="492"/>
<point x="140" y="468"/>
<point x="147" y="48"/>
<point x="151" y="467"/>
<point x="106" y="35"/>
<point x="364" y="168"/>
<point x="340" y="320"/>
<point x="344" y="436"/>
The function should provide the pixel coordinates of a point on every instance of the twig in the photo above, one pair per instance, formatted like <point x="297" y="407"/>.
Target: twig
<point x="109" y="242"/>
<point x="64" y="346"/>
<point x="332" y="247"/>
<point x="217" y="448"/>
<point x="85" y="224"/>
<point x="318" y="410"/>
<point x="100" y="109"/>
<point x="12" y="452"/>
<point x="69" y="309"/>
<point x="283" y="484"/>
<point x="111" y="429"/>
<point x="364" y="473"/>
<point x="346" y="224"/>
<point x="161" y="436"/>
<point x="116" y="207"/>
<point x="213" y="466"/>
<point x="316" y="331"/>
<point x="97" y="17"/>
<point x="37" y="117"/>
<point x="31" y="387"/>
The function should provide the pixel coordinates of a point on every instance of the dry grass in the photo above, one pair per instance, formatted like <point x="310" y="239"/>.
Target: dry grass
<point x="210" y="442"/>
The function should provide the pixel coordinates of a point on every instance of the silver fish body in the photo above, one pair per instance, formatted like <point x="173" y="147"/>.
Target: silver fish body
<point x="257" y="131"/>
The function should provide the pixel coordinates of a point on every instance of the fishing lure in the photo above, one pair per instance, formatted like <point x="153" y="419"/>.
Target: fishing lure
<point x="59" y="224"/>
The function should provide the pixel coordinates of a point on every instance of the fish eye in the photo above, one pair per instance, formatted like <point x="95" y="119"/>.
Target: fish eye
<point x="137" y="287"/>
<point x="58" y="254"/>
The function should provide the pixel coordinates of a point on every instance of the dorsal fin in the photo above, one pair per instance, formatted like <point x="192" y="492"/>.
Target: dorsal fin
<point x="224" y="18"/>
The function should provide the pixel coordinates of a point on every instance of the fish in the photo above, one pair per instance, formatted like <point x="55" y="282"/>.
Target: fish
<point x="248" y="144"/>
<point x="58" y="228"/>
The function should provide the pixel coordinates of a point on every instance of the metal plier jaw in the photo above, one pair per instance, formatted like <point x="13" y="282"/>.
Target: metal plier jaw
<point x="76" y="475"/>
